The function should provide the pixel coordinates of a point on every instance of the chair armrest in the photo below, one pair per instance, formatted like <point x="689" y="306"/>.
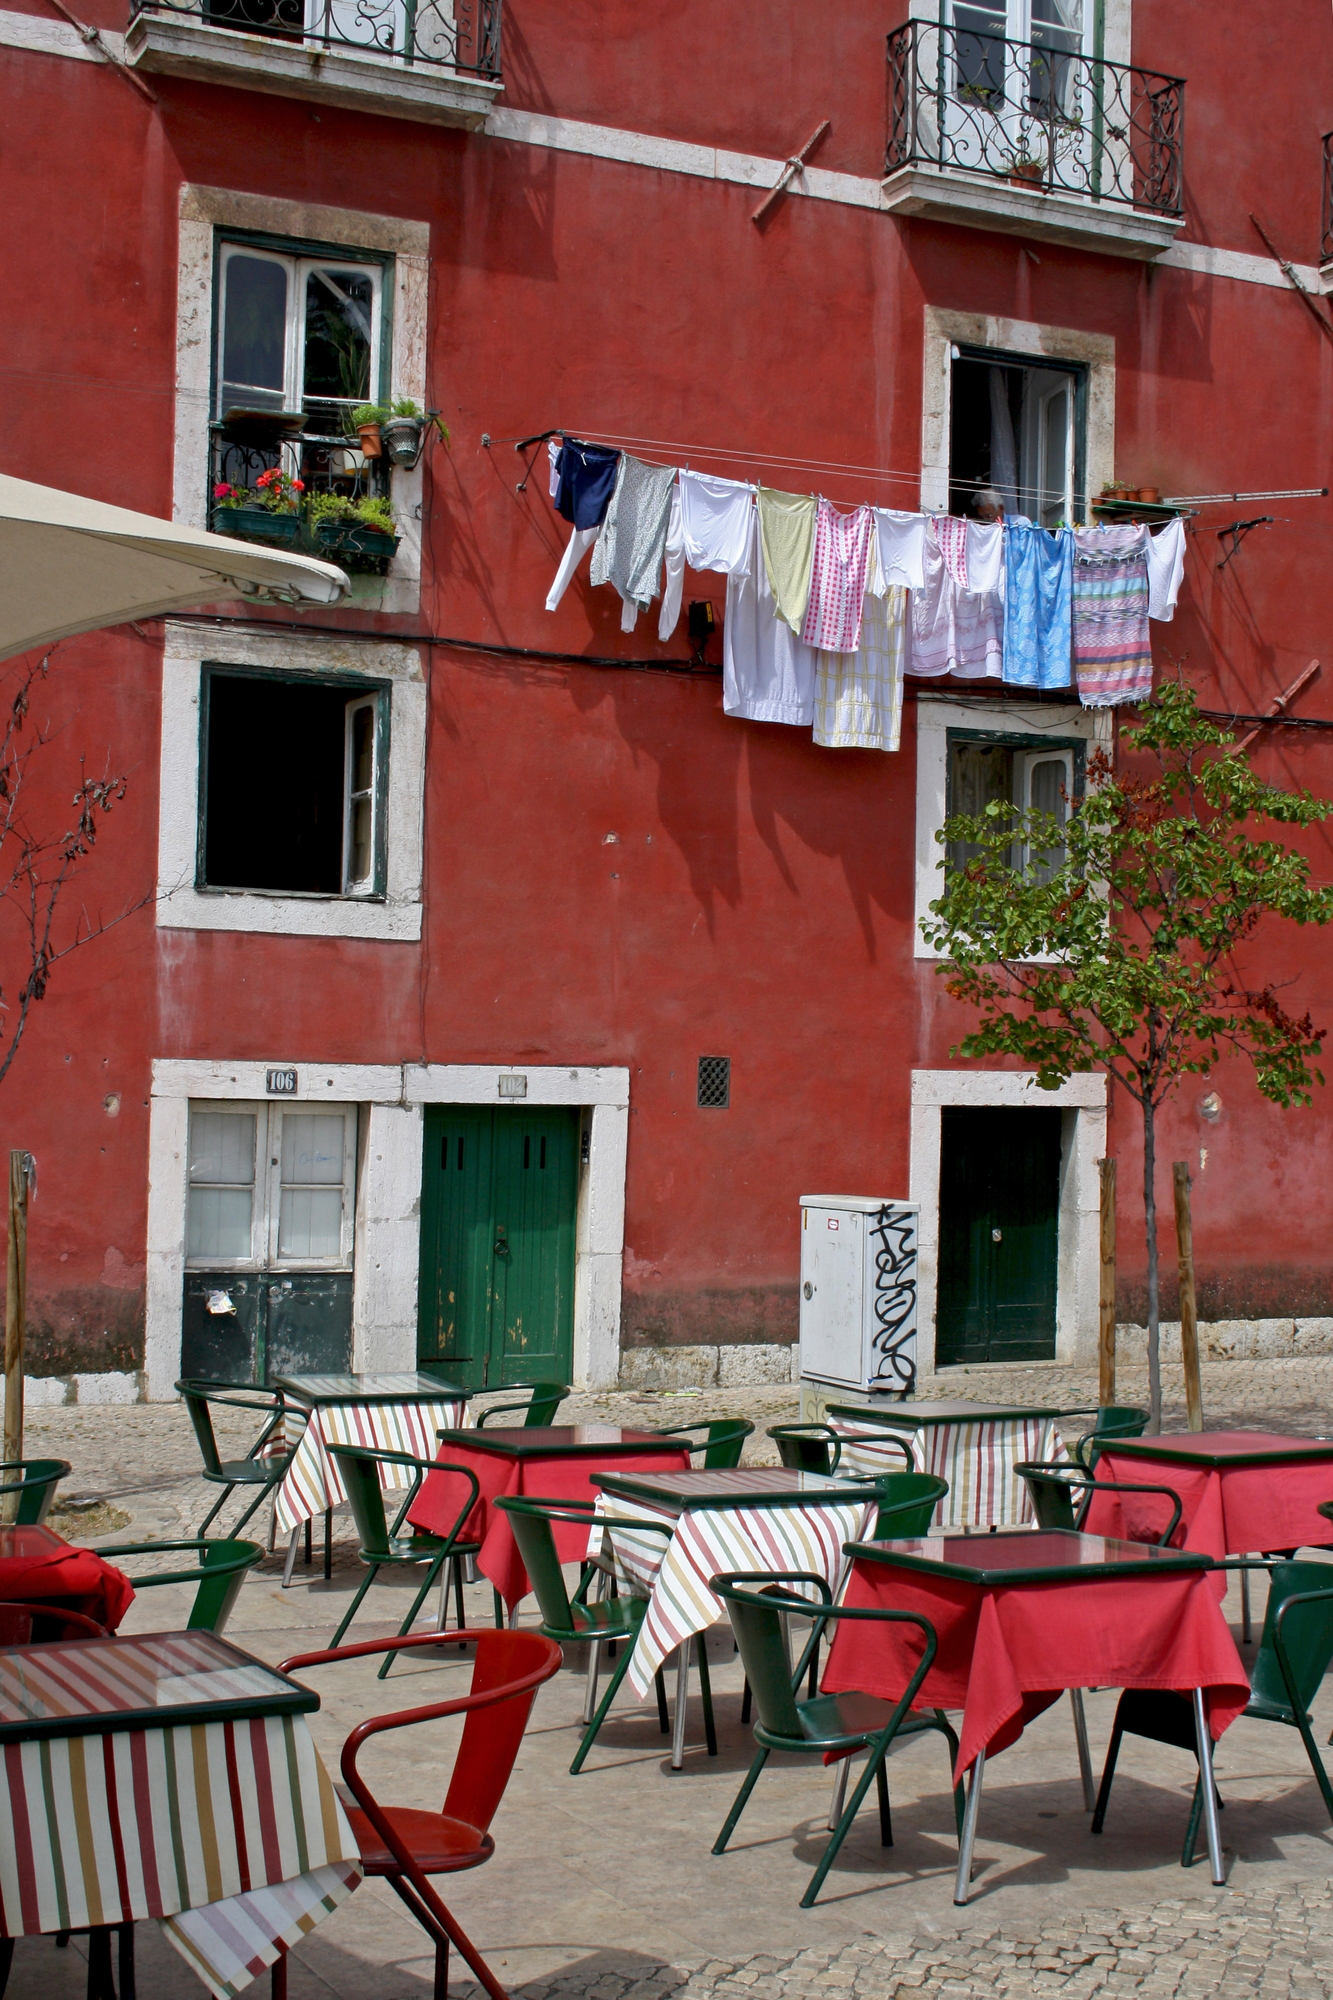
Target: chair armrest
<point x="1280" y="1646"/>
<point x="498" y="1410"/>
<point x="1125" y="1486"/>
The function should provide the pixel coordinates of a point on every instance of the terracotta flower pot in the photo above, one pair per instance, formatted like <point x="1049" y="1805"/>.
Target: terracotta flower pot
<point x="1150" y="495"/>
<point x="1027" y="173"/>
<point x="369" y="435"/>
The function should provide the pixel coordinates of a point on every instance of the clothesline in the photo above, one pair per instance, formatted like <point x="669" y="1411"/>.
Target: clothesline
<point x="826" y="612"/>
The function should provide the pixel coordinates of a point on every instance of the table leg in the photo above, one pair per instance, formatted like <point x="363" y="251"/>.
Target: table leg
<point x="328" y="1544"/>
<point x="1245" y="1607"/>
<point x="309" y="1538"/>
<point x="968" y="1840"/>
<point x="1205" y="1748"/>
<point x="291" y="1555"/>
<point x="682" y="1703"/>
<point x="279" y="1977"/>
<point x="1084" y="1758"/>
<point x="839" y="1799"/>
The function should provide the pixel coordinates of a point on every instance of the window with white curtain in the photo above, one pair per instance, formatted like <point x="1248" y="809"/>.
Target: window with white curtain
<point x="271" y="1186"/>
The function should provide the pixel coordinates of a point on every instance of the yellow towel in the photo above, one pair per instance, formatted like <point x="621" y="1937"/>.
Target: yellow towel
<point x="787" y="528"/>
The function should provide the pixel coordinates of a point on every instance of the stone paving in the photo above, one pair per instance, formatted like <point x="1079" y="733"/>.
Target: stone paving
<point x="603" y="1888"/>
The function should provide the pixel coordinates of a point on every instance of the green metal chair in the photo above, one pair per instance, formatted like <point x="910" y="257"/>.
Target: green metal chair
<point x="1295" y="1648"/>
<point x="1053" y="1490"/>
<point x="1114" y="1420"/>
<point x="35" y="1486"/>
<point x="260" y="1469"/>
<point x="818" y="1447"/>
<point x="219" y="1573"/>
<point x="544" y="1400"/>
<point x="383" y="1546"/>
<point x="837" y="1723"/>
<point x="573" y="1621"/>
<point x="721" y="1441"/>
<point x="907" y="1503"/>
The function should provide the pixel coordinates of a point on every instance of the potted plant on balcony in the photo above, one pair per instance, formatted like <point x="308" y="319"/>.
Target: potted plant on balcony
<point x="270" y="514"/>
<point x="403" y="433"/>
<point x="365" y="422"/>
<point x="359" y="534"/>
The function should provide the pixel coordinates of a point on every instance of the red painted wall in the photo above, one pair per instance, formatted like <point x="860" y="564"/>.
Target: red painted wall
<point x="758" y="899"/>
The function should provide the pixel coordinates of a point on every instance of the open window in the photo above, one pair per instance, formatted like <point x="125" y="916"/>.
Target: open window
<point x="1017" y="426"/>
<point x="293" y="777"/>
<point x="297" y="333"/>
<point x="1028" y="773"/>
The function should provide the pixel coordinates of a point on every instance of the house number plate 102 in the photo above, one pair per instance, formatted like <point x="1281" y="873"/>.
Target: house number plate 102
<point x="280" y="1082"/>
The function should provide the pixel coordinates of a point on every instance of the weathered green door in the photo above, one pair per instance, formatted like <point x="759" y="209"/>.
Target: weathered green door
<point x="498" y="1196"/>
<point x="999" y="1228"/>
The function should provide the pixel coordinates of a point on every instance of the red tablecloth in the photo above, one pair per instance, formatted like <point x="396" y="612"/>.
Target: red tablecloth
<point x="36" y="1567"/>
<point x="560" y="1477"/>
<point x="1007" y="1652"/>
<point x="1229" y="1511"/>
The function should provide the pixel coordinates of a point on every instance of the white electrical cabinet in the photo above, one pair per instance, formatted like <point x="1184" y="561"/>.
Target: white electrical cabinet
<point x="858" y="1292"/>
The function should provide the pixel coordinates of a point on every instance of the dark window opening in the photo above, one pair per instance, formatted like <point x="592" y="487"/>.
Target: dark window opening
<point x="714" y="1083"/>
<point x="275" y="786"/>
<point x="1016" y="431"/>
<point x="1034" y="773"/>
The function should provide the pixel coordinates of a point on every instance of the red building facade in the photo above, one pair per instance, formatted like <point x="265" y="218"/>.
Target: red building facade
<point x="577" y="879"/>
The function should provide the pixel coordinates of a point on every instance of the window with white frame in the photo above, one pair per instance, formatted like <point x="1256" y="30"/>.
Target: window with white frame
<point x="293" y="775"/>
<point x="271" y="1187"/>
<point x="297" y="333"/>
<point x="1017" y="429"/>
<point x="1026" y="772"/>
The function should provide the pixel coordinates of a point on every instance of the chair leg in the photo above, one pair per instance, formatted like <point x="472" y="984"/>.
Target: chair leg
<point x="839" y="1799"/>
<point x="6" y="1960"/>
<point x="885" y="1820"/>
<point x="590" y="1734"/>
<point x="747" y="1698"/>
<point x="1081" y="1741"/>
<point x="663" y="1719"/>
<point x="1316" y="1761"/>
<point x="442" y="1970"/>
<point x="126" y="1939"/>
<point x="879" y="1750"/>
<point x="435" y="1570"/>
<point x="270" y="1486"/>
<point x="729" y="1823"/>
<point x="706" y="1692"/>
<point x="1108" y="1773"/>
<point x="355" y="1605"/>
<point x="214" y="1511"/>
<point x="309" y="1539"/>
<point x="293" y="1542"/>
<point x="590" y="1689"/>
<point x="499" y="1609"/>
<point x="328" y="1545"/>
<point x="813" y="1687"/>
<point x="100" y="1983"/>
<point x="458" y="1592"/>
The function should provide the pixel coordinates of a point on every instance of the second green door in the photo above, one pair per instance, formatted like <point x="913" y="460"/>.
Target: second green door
<point x="999" y="1235"/>
<point x="498" y="1197"/>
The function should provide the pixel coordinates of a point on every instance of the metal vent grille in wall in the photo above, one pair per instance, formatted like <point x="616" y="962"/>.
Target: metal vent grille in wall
<point x="714" y="1083"/>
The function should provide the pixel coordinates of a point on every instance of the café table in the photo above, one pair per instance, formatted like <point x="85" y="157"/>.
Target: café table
<point x="547" y="1461"/>
<point x="744" y="1518"/>
<point x="975" y="1447"/>
<point x="1022" y="1615"/>
<point x="170" y="1776"/>
<point x="397" y="1412"/>
<point x="37" y="1566"/>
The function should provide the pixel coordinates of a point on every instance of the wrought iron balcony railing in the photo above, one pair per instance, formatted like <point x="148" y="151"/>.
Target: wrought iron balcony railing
<point x="1039" y="114"/>
<point x="462" y="36"/>
<point x="246" y="452"/>
<point x="1326" y="237"/>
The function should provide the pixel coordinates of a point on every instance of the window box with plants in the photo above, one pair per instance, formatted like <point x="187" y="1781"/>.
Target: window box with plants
<point x="395" y="432"/>
<point x="269" y="512"/>
<point x="359" y="534"/>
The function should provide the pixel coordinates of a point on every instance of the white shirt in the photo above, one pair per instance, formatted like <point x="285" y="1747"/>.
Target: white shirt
<point x="1166" y="566"/>
<point x="902" y="540"/>
<point x="716" y="515"/>
<point x="768" y="674"/>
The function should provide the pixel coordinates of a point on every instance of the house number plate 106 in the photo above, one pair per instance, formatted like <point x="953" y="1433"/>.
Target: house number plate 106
<point x="280" y="1082"/>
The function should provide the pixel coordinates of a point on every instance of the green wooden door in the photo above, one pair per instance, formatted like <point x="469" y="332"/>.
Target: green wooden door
<point x="498" y="1197"/>
<point x="999" y="1230"/>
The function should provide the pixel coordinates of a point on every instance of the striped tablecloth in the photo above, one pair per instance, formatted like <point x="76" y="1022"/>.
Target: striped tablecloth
<point x="977" y="1459"/>
<point x="312" y="1483"/>
<point x="229" y="1833"/>
<point x="707" y="1540"/>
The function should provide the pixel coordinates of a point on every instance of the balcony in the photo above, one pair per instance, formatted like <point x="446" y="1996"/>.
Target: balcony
<point x="297" y="480"/>
<point x="437" y="61"/>
<point x="1034" y="139"/>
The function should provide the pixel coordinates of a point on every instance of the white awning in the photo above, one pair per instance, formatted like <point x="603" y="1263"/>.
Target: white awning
<point x="71" y="565"/>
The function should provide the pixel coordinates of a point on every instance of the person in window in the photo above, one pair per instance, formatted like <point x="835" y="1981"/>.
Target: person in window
<point x="988" y="505"/>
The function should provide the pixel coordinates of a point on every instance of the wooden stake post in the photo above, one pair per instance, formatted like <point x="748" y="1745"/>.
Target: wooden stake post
<point x="1106" y="1330"/>
<point x="21" y="1175"/>
<point x="1189" y="1324"/>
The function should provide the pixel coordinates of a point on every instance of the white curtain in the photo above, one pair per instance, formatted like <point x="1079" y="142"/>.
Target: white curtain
<point x="1003" y="463"/>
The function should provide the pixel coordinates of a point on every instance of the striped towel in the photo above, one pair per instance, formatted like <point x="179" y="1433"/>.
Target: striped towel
<point x="229" y="1833"/>
<point x="1112" y="652"/>
<point x="977" y="1460"/>
<point x="312" y="1483"/>
<point x="707" y="1542"/>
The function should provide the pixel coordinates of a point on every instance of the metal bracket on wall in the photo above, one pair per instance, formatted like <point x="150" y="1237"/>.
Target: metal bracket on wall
<point x="95" y="42"/>
<point x="1289" y="272"/>
<point x="789" y="172"/>
<point x="1236" y="533"/>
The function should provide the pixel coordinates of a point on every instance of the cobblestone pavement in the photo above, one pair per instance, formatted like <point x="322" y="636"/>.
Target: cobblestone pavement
<point x="1266" y="1944"/>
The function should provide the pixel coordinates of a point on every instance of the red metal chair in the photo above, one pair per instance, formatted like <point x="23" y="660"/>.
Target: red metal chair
<point x="406" y="1845"/>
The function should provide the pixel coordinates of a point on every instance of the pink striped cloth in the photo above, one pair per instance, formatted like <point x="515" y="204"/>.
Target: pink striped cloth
<point x="838" y="579"/>
<point x="951" y="534"/>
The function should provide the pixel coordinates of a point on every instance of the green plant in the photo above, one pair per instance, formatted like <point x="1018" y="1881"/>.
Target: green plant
<point x="405" y="407"/>
<point x="367" y="413"/>
<point x="370" y="511"/>
<point x="1125" y="956"/>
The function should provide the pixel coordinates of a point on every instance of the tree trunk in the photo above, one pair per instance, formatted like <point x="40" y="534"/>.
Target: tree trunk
<point x="1150" y="1221"/>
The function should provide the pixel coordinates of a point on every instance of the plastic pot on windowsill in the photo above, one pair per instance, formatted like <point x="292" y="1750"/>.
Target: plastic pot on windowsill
<point x="402" y="438"/>
<point x="357" y="546"/>
<point x="257" y="524"/>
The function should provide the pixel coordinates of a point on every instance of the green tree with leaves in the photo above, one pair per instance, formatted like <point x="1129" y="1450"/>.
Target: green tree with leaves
<point x="1118" y="943"/>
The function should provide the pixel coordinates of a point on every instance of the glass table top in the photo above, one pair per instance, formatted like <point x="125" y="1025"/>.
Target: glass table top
<point x="556" y="1440"/>
<point x="1218" y="1448"/>
<point x="1028" y="1554"/>
<point x="88" y="1686"/>
<point x="29" y="1544"/>
<point x="909" y="1416"/>
<point x="737" y="1486"/>
<point x="411" y="1388"/>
